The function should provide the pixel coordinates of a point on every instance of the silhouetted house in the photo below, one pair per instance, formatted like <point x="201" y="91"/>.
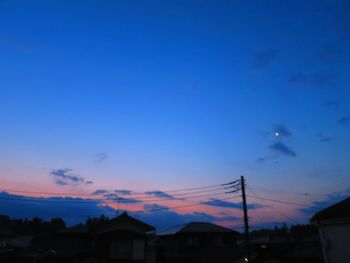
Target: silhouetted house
<point x="334" y="227"/>
<point x="198" y="242"/>
<point x="74" y="243"/>
<point x="122" y="239"/>
<point x="271" y="247"/>
<point x="5" y="235"/>
<point x="307" y="250"/>
<point x="272" y="241"/>
<point x="6" y="254"/>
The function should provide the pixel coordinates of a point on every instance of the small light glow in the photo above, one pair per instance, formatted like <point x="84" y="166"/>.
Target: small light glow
<point x="246" y="260"/>
<point x="277" y="134"/>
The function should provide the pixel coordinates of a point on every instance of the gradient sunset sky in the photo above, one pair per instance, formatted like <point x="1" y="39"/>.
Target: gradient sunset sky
<point x="151" y="96"/>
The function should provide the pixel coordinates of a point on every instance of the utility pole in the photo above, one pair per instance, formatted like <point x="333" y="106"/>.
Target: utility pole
<point x="118" y="205"/>
<point x="246" y="224"/>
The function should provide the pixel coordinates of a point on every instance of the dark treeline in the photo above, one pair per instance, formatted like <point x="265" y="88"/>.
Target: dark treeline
<point x="32" y="226"/>
<point x="37" y="226"/>
<point x="297" y="232"/>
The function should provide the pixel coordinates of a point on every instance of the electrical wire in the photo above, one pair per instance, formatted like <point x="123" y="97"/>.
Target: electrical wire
<point x="131" y="194"/>
<point x="108" y="201"/>
<point x="273" y="208"/>
<point x="289" y="192"/>
<point x="180" y="206"/>
<point x="282" y="202"/>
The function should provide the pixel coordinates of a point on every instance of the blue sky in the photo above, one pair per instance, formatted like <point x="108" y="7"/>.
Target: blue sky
<point x="149" y="95"/>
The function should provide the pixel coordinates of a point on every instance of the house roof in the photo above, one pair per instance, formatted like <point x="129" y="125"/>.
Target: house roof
<point x="340" y="210"/>
<point x="124" y="221"/>
<point x="197" y="227"/>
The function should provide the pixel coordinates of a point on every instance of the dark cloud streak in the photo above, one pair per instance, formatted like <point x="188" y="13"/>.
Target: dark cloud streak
<point x="226" y="204"/>
<point x="280" y="147"/>
<point x="262" y="59"/>
<point x="344" y="120"/>
<point x="65" y="177"/>
<point x="160" y="194"/>
<point x="101" y="157"/>
<point x="282" y="131"/>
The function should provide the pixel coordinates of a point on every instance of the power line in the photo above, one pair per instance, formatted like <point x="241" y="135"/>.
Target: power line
<point x="280" y="201"/>
<point x="201" y="187"/>
<point x="106" y="200"/>
<point x="181" y="199"/>
<point x="273" y="208"/>
<point x="182" y="194"/>
<point x="289" y="192"/>
<point x="181" y="206"/>
<point x="131" y="194"/>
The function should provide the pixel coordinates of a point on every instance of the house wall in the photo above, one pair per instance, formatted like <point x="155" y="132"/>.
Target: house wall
<point x="121" y="247"/>
<point x="115" y="226"/>
<point x="72" y="245"/>
<point x="335" y="242"/>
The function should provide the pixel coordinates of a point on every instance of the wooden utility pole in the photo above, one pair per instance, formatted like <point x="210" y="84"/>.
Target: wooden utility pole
<point x="118" y="205"/>
<point x="246" y="224"/>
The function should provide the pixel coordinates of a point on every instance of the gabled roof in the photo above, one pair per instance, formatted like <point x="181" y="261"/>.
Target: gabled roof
<point x="124" y="221"/>
<point x="340" y="210"/>
<point x="197" y="227"/>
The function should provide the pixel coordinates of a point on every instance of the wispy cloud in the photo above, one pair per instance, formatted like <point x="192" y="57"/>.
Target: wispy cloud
<point x="114" y="192"/>
<point x="226" y="204"/>
<point x="101" y="157"/>
<point x="160" y="194"/>
<point x="66" y="177"/>
<point x="16" y="43"/>
<point x="100" y="192"/>
<point x="60" y="182"/>
<point x="261" y="159"/>
<point x="344" y="120"/>
<point x="266" y="159"/>
<point x="281" y="130"/>
<point x="121" y="199"/>
<point x="123" y="192"/>
<point x="297" y="78"/>
<point x="324" y="138"/>
<point x="277" y="137"/>
<point x="332" y="104"/>
<point x="317" y="79"/>
<point x="328" y="52"/>
<point x="262" y="59"/>
<point x="282" y="148"/>
<point x="154" y="207"/>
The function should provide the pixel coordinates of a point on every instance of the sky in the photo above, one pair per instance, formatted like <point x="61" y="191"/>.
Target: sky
<point x="153" y="96"/>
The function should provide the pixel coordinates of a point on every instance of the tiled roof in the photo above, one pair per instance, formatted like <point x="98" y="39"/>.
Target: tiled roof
<point x="123" y="218"/>
<point x="340" y="210"/>
<point x="197" y="227"/>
